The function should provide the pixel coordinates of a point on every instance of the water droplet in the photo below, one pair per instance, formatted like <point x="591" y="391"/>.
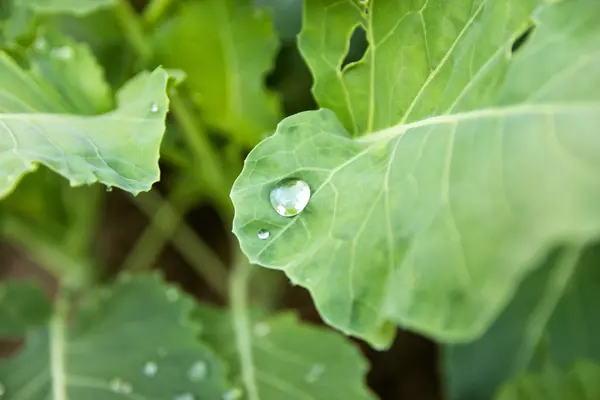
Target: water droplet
<point x="63" y="52"/>
<point x="197" y="371"/>
<point x="118" y="385"/>
<point x="185" y="396"/>
<point x="172" y="294"/>
<point x="154" y="107"/>
<point x="263" y="234"/>
<point x="262" y="329"/>
<point x="233" y="394"/>
<point x="2" y="390"/>
<point x="109" y="188"/>
<point x="40" y="44"/>
<point x="314" y="373"/>
<point x="290" y="197"/>
<point x="150" y="368"/>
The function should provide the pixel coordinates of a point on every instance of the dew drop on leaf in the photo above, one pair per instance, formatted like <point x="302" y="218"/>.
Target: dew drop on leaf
<point x="154" y="108"/>
<point x="263" y="234"/>
<point x="314" y="373"/>
<point x="63" y="52"/>
<point x="2" y="390"/>
<point x="40" y="44"/>
<point x="290" y="197"/>
<point x="172" y="294"/>
<point x="118" y="385"/>
<point x="150" y="368"/>
<point x="185" y="396"/>
<point x="109" y="188"/>
<point x="233" y="394"/>
<point x="197" y="371"/>
<point x="262" y="329"/>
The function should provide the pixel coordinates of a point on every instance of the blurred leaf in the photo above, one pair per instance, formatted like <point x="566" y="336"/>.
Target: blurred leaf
<point x="77" y="7"/>
<point x="23" y="306"/>
<point x="551" y="319"/>
<point x="433" y="224"/>
<point x="225" y="47"/>
<point x="15" y="24"/>
<point x="73" y="72"/>
<point x="580" y="382"/>
<point x="134" y="340"/>
<point x="287" y="17"/>
<point x="119" y="148"/>
<point x="290" y="360"/>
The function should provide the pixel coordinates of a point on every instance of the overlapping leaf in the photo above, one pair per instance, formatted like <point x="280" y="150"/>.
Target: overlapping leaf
<point x="226" y="47"/>
<point x="289" y="360"/>
<point x="77" y="7"/>
<point x="134" y="341"/>
<point x="22" y="306"/>
<point x="552" y="319"/>
<point x="39" y="122"/>
<point x="433" y="223"/>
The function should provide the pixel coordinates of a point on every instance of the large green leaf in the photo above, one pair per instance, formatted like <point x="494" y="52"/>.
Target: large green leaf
<point x="580" y="382"/>
<point x="22" y="306"/>
<point x="37" y="124"/>
<point x="433" y="224"/>
<point x="289" y="360"/>
<point x="226" y="47"/>
<point x="133" y="341"/>
<point x="551" y="319"/>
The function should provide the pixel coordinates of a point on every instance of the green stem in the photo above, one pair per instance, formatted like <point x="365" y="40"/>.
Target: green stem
<point x="155" y="11"/>
<point x="57" y="338"/>
<point x="71" y="272"/>
<point x="186" y="241"/>
<point x="133" y="30"/>
<point x="238" y="287"/>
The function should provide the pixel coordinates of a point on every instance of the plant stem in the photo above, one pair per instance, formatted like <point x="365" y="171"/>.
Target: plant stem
<point x="186" y="241"/>
<point x="57" y="339"/>
<point x="155" y="11"/>
<point x="133" y="30"/>
<point x="238" y="287"/>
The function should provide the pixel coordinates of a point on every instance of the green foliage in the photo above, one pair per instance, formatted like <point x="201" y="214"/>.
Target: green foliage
<point x="243" y="46"/>
<point x="42" y="124"/>
<point x="580" y="382"/>
<point x="446" y="222"/>
<point x="289" y="360"/>
<point x="22" y="306"/>
<point x="135" y="338"/>
<point x="453" y="168"/>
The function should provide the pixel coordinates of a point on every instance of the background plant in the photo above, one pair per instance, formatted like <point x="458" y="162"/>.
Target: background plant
<point x="452" y="161"/>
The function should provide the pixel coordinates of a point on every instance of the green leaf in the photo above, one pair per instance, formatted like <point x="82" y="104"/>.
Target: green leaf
<point x="77" y="7"/>
<point x="22" y="306"/>
<point x="134" y="340"/>
<point x="290" y="360"/>
<point x="226" y="47"/>
<point x="580" y="382"/>
<point x="119" y="148"/>
<point x="433" y="224"/>
<point x="552" y="319"/>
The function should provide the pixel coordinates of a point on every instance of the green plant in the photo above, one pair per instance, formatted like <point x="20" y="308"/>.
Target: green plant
<point x="450" y="187"/>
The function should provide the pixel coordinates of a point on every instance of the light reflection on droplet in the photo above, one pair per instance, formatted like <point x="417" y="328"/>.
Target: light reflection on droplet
<point x="263" y="234"/>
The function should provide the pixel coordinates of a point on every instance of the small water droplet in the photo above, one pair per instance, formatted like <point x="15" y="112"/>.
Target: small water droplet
<point x="185" y="396"/>
<point x="40" y="44"/>
<point x="63" y="52"/>
<point x="290" y="197"/>
<point x="2" y="390"/>
<point x="172" y="294"/>
<point x="314" y="373"/>
<point x="197" y="371"/>
<point x="233" y="394"/>
<point x="118" y="385"/>
<point x="109" y="189"/>
<point x="263" y="234"/>
<point x="262" y="329"/>
<point x="154" y="107"/>
<point x="150" y="368"/>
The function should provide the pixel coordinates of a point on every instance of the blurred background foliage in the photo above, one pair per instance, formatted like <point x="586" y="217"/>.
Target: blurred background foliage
<point x="243" y="73"/>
